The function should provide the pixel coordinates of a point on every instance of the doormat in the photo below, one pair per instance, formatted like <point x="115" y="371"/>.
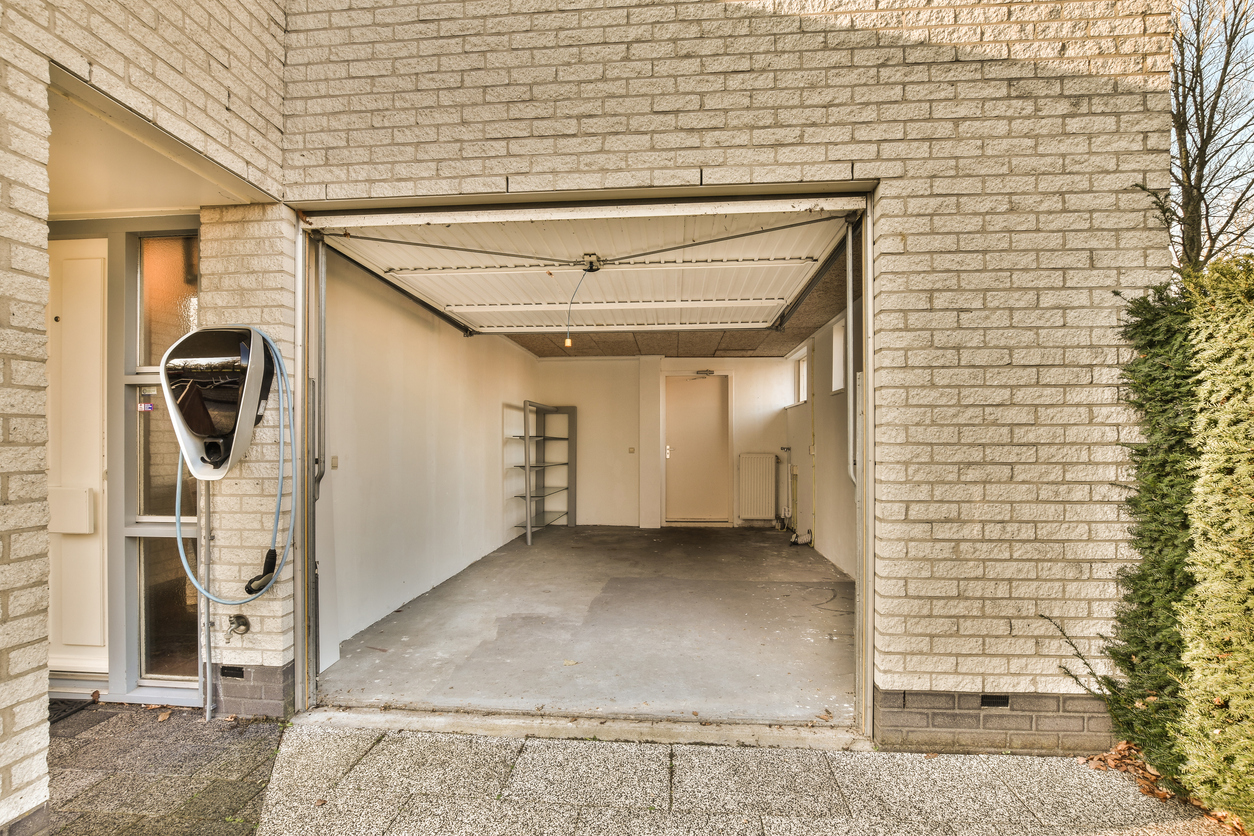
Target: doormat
<point x="60" y="709"/>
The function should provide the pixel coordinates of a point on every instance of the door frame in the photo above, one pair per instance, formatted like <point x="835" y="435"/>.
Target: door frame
<point x="122" y="594"/>
<point x="731" y="450"/>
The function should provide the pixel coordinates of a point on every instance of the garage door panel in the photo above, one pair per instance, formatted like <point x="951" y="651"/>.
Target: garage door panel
<point x="737" y="270"/>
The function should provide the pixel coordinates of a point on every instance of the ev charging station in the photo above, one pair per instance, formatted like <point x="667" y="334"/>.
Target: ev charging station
<point x="217" y="383"/>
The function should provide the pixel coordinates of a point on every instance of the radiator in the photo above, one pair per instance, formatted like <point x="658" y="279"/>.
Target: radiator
<point x="757" y="486"/>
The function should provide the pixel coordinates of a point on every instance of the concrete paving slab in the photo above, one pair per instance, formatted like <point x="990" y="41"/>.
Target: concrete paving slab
<point x="808" y="826"/>
<point x="236" y="763"/>
<point x="97" y="824"/>
<point x="61" y="749"/>
<point x="916" y="787"/>
<point x="592" y="773"/>
<point x="346" y="812"/>
<point x="609" y="822"/>
<point x="1181" y="827"/>
<point x="153" y="756"/>
<point x="440" y="817"/>
<point x="145" y="795"/>
<point x="78" y="723"/>
<point x="65" y="784"/>
<point x="1060" y="791"/>
<point x="179" y="826"/>
<point x="310" y="763"/>
<point x="787" y="782"/>
<point x="437" y="764"/>
<point x="219" y="800"/>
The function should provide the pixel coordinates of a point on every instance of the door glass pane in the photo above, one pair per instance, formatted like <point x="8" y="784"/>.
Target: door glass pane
<point x="158" y="452"/>
<point x="168" y="631"/>
<point x="169" y="280"/>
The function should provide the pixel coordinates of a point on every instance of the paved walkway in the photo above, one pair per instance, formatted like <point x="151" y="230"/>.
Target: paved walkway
<point x="333" y="781"/>
<point x="121" y="770"/>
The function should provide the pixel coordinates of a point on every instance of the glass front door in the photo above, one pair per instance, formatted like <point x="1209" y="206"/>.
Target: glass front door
<point x="168" y="292"/>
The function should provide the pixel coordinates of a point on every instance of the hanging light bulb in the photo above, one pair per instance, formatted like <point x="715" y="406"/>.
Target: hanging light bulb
<point x="594" y="264"/>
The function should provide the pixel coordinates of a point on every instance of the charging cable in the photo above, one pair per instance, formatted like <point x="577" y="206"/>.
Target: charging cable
<point x="270" y="573"/>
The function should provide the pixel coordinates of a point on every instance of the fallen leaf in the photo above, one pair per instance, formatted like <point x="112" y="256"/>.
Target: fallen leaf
<point x="95" y="696"/>
<point x="320" y="802"/>
<point x="151" y="707"/>
<point x="568" y="662"/>
<point x="694" y="714"/>
<point x="930" y="755"/>
<point x="823" y="716"/>
<point x="163" y="716"/>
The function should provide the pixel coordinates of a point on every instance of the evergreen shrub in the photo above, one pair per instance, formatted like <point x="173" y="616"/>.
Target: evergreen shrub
<point x="1216" y="731"/>
<point x="1145" y="702"/>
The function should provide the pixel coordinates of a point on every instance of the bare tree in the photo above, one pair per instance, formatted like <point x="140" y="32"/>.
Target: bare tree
<point x="1210" y="207"/>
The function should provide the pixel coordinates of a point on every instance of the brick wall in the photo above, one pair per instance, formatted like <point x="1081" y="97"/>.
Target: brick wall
<point x="1006" y="139"/>
<point x="248" y="277"/>
<point x="23" y="431"/>
<point x="210" y="72"/>
<point x="914" y="721"/>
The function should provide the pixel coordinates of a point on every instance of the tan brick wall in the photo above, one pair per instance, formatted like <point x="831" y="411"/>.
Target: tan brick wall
<point x="248" y="277"/>
<point x="210" y="72"/>
<point x="1006" y="138"/>
<point x="23" y="430"/>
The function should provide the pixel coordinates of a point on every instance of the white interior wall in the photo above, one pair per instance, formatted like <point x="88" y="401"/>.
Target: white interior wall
<point x="825" y="492"/>
<point x="606" y="391"/>
<point x="418" y="418"/>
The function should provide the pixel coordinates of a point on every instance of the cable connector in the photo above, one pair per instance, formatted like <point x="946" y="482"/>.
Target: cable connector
<point x="592" y="262"/>
<point x="259" y="582"/>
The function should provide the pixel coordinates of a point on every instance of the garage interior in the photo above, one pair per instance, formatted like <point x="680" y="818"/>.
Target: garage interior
<point x="665" y="590"/>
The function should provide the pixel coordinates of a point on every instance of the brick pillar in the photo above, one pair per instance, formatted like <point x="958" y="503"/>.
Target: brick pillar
<point x="248" y="277"/>
<point x="24" y="131"/>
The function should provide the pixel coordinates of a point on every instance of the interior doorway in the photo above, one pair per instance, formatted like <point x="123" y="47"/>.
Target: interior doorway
<point x="698" y="457"/>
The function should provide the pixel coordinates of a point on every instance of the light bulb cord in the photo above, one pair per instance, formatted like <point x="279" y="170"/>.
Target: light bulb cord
<point x="571" y="305"/>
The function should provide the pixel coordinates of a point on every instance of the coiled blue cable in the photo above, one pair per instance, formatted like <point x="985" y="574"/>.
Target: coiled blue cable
<point x="286" y="410"/>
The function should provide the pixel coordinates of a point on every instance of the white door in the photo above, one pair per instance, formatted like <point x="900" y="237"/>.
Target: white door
<point x="698" y="459"/>
<point x="76" y="455"/>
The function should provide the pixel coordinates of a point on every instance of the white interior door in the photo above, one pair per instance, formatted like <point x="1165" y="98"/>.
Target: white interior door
<point x="698" y="460"/>
<point x="76" y="455"/>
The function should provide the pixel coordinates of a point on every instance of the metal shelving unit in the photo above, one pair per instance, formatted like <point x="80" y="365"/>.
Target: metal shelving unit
<point x="536" y="465"/>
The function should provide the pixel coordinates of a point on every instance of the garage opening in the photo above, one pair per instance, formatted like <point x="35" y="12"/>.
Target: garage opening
<point x="667" y="584"/>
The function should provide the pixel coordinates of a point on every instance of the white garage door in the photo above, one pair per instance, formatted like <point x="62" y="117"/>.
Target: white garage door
<point x="636" y="267"/>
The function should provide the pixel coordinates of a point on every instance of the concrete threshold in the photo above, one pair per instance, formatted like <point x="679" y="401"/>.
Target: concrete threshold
<point x="769" y="735"/>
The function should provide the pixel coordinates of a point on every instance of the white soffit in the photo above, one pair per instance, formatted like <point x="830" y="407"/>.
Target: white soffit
<point x="679" y="266"/>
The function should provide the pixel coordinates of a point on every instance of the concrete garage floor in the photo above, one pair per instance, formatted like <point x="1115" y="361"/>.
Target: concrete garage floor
<point x="730" y="624"/>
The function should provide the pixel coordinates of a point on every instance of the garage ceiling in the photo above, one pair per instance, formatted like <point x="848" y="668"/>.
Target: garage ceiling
<point x="687" y="278"/>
